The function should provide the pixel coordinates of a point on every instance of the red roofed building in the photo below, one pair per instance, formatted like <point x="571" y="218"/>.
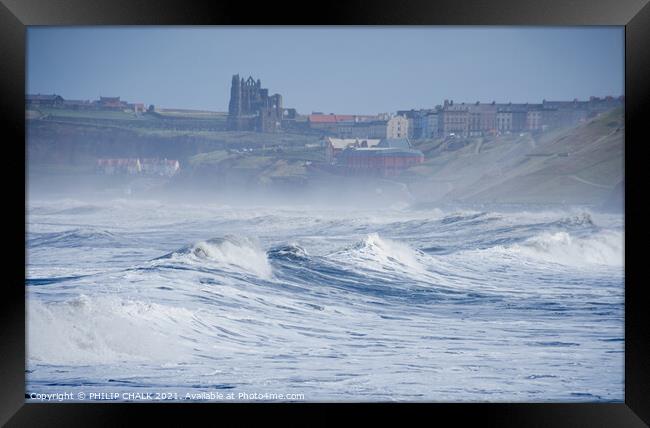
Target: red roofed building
<point x="330" y="118"/>
<point x="110" y="103"/>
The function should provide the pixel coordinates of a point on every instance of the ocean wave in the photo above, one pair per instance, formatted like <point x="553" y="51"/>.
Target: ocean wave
<point x="605" y="247"/>
<point x="374" y="252"/>
<point x="88" y="330"/>
<point x="582" y="219"/>
<point x="462" y="216"/>
<point x="290" y="252"/>
<point x="73" y="238"/>
<point x="230" y="252"/>
<point x="79" y="210"/>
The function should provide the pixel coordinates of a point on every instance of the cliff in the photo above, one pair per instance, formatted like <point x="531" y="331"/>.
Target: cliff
<point x="579" y="165"/>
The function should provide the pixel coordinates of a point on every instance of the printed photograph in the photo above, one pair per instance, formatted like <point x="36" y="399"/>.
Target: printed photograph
<point x="324" y="214"/>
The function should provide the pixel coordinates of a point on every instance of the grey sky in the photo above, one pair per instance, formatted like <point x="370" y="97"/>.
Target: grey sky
<point x="329" y="69"/>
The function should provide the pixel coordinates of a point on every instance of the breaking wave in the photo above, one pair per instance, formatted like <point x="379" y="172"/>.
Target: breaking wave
<point x="602" y="248"/>
<point x="229" y="252"/>
<point x="378" y="253"/>
<point x="378" y="303"/>
<point x="104" y="330"/>
<point x="290" y="252"/>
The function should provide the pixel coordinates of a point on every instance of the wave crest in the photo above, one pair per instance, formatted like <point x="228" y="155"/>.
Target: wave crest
<point x="582" y="219"/>
<point x="604" y="248"/>
<point x="290" y="252"/>
<point x="104" y="330"/>
<point x="73" y="238"/>
<point x="378" y="253"/>
<point x="231" y="252"/>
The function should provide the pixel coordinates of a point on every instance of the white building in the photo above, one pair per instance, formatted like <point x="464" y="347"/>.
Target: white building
<point x="397" y="127"/>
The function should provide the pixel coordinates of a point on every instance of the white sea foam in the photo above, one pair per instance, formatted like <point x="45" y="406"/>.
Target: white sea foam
<point x="602" y="248"/>
<point x="378" y="253"/>
<point x="388" y="250"/>
<point x="230" y="252"/>
<point x="104" y="330"/>
<point x="343" y="314"/>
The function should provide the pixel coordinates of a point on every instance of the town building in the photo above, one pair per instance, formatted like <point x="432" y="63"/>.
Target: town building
<point x="483" y="118"/>
<point x="347" y="125"/>
<point x="103" y="103"/>
<point x="393" y="127"/>
<point x="39" y="100"/>
<point x="335" y="124"/>
<point x="370" y="129"/>
<point x="397" y="127"/>
<point x="599" y="105"/>
<point x="388" y="158"/>
<point x="455" y="119"/>
<point x="565" y="113"/>
<point x="423" y="123"/>
<point x="77" y="104"/>
<point x="467" y="119"/>
<point x="136" y="107"/>
<point x="110" y="103"/>
<point x="334" y="146"/>
<point x="414" y="118"/>
<point x="251" y="108"/>
<point x="476" y="119"/>
<point x="512" y="118"/>
<point x="430" y="125"/>
<point x="535" y="118"/>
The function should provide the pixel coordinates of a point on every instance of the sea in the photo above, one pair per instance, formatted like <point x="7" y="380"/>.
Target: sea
<point x="132" y="299"/>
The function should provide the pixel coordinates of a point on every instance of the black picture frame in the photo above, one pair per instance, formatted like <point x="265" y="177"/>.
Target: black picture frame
<point x="15" y="15"/>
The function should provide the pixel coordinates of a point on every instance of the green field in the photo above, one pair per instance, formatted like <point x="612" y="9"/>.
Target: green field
<point x="91" y="114"/>
<point x="170" y="124"/>
<point x="192" y="114"/>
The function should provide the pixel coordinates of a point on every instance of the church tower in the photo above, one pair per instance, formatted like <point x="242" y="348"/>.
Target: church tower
<point x="234" y="107"/>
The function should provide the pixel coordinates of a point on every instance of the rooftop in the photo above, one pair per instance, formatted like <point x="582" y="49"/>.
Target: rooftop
<point x="342" y="143"/>
<point x="41" y="97"/>
<point x="380" y="151"/>
<point x="330" y="118"/>
<point x="395" y="143"/>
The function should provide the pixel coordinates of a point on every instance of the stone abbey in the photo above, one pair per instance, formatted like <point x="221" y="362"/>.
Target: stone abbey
<point x="251" y="108"/>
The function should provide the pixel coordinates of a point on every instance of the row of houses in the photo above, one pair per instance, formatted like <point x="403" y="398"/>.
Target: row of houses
<point x="473" y="119"/>
<point x="103" y="103"/>
<point x="360" y="126"/>
<point x="464" y="119"/>
<point x="136" y="166"/>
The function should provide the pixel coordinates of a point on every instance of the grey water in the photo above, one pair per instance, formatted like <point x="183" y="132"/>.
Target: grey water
<point x="129" y="295"/>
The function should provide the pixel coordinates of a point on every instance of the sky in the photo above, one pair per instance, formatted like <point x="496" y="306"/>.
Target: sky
<point x="345" y="70"/>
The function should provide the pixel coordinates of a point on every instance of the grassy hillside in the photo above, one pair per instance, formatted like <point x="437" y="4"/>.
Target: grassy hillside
<point x="583" y="164"/>
<point x="46" y="112"/>
<point x="263" y="167"/>
<point x="69" y="138"/>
